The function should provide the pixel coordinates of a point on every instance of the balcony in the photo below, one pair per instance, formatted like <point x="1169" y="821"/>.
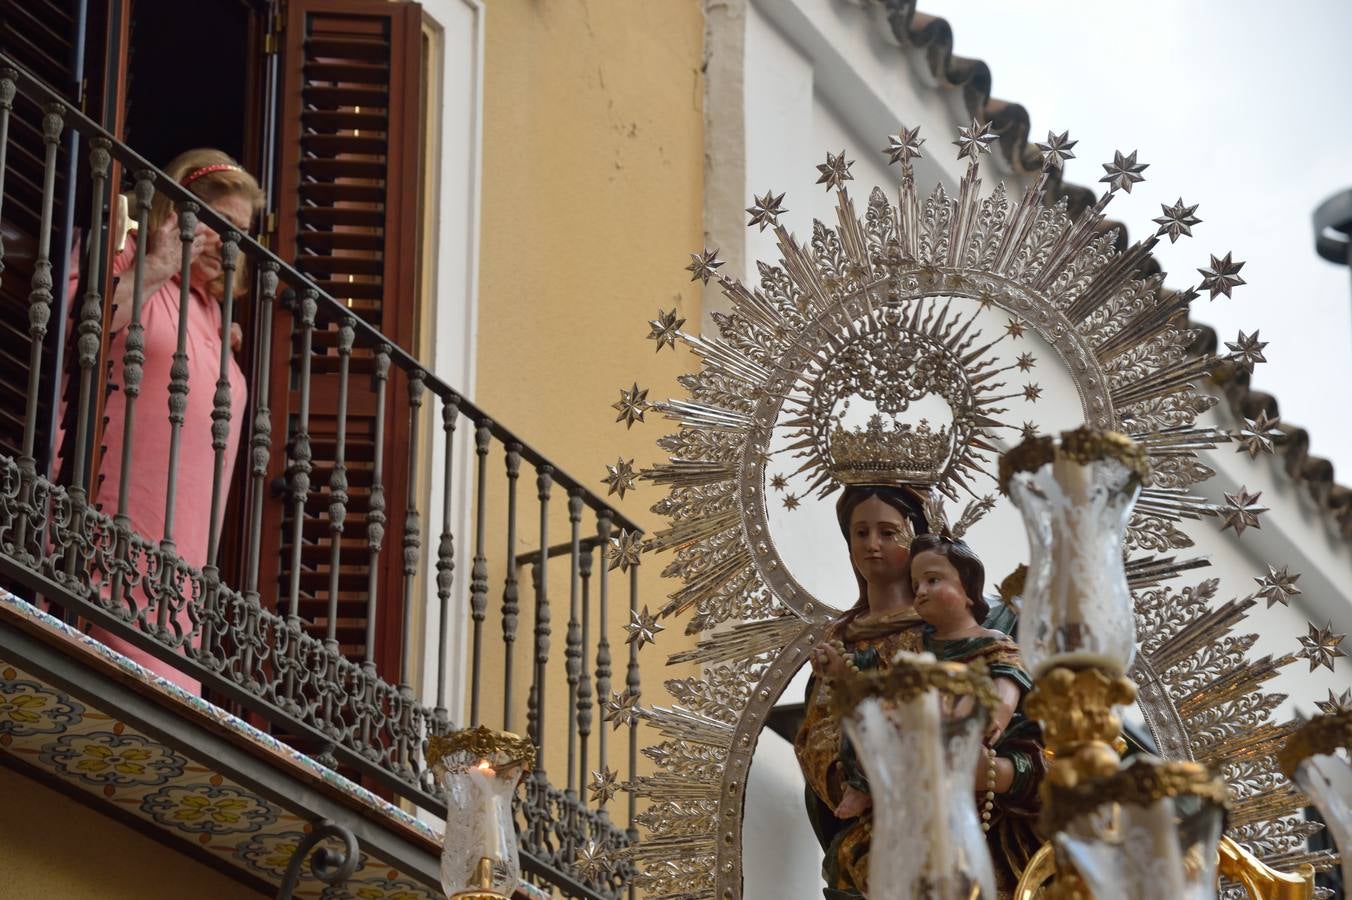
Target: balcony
<point x="344" y="556"/>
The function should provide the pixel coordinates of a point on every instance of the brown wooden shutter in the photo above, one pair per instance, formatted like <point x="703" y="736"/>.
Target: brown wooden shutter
<point x="348" y="189"/>
<point x="41" y="37"/>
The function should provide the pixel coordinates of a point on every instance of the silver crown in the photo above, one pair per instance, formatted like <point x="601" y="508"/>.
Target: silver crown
<point x="900" y="454"/>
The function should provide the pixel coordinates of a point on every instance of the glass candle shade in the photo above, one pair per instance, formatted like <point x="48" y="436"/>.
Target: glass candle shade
<point x="478" y="772"/>
<point x="1076" y="495"/>
<point x="1316" y="758"/>
<point x="1150" y="831"/>
<point x="1326" y="778"/>
<point x="919" y="750"/>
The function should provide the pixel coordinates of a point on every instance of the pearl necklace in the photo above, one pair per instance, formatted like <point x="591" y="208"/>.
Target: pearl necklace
<point x="989" y="805"/>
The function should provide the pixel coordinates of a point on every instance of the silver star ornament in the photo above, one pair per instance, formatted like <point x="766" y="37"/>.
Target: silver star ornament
<point x="1321" y="647"/>
<point x="1221" y="276"/>
<point x="643" y="628"/>
<point x="620" y="477"/>
<point x="1123" y="172"/>
<point x="625" y="550"/>
<point x="591" y="862"/>
<point x="665" y="329"/>
<point x="835" y="171"/>
<point x="766" y="211"/>
<point x="1241" y="510"/>
<point x="632" y="404"/>
<point x="1056" y="150"/>
<point x="622" y="709"/>
<point x="1278" y="586"/>
<point x="975" y="140"/>
<point x="1177" y="220"/>
<point x="605" y="784"/>
<point x="904" y="146"/>
<point x="1246" y="351"/>
<point x="1258" y="435"/>
<point x="703" y="265"/>
<point x="1336" y="703"/>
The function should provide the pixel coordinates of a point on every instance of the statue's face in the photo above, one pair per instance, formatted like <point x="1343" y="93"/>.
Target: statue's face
<point x="939" y="595"/>
<point x="875" y="542"/>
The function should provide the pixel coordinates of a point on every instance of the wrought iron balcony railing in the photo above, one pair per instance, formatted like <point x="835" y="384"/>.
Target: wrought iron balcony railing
<point x="265" y="655"/>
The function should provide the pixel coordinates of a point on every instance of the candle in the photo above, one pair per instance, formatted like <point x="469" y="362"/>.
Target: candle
<point x="484" y="787"/>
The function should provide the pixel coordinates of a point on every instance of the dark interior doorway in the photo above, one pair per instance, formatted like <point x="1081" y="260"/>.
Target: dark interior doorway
<point x="192" y="78"/>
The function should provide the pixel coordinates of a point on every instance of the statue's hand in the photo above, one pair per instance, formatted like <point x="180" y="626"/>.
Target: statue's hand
<point x="853" y="803"/>
<point x="827" y="660"/>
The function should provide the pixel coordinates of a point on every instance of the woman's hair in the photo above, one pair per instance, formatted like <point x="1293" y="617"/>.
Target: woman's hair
<point x="970" y="570"/>
<point x="209" y="175"/>
<point x="902" y="499"/>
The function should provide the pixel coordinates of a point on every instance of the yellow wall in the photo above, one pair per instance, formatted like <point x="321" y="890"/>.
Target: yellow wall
<point x="592" y="198"/>
<point x="53" y="848"/>
<point x="591" y="205"/>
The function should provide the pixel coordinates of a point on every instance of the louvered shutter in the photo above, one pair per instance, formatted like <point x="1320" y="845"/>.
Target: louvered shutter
<point x="41" y="36"/>
<point x="348" y="183"/>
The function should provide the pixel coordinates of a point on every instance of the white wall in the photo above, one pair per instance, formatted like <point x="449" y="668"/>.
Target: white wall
<point x="453" y="173"/>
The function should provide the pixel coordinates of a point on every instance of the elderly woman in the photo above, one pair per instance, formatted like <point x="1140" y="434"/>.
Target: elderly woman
<point x="222" y="184"/>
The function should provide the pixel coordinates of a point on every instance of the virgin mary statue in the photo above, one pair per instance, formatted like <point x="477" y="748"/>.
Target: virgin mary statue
<point x="879" y="524"/>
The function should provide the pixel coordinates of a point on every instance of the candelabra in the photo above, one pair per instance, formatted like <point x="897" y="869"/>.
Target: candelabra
<point x="1151" y="828"/>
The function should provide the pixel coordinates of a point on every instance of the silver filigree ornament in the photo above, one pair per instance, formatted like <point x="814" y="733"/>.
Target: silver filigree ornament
<point x="794" y="347"/>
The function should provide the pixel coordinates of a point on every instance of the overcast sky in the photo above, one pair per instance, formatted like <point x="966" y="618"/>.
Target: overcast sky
<point x="1241" y="106"/>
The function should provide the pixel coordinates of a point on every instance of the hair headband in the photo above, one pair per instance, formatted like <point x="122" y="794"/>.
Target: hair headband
<point x="207" y="170"/>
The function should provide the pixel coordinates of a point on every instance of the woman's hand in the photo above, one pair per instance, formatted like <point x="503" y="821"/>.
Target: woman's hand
<point x="164" y="251"/>
<point x="827" y="660"/>
<point x="853" y="803"/>
<point x="164" y="260"/>
<point x="236" y="337"/>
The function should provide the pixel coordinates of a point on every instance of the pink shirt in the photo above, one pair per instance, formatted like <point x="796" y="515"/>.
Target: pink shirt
<point x="147" y="488"/>
<point x="148" y="485"/>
